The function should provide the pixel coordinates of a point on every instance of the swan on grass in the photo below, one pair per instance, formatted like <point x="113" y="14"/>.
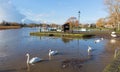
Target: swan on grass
<point x="33" y="60"/>
<point x="51" y="52"/>
<point x="113" y="34"/>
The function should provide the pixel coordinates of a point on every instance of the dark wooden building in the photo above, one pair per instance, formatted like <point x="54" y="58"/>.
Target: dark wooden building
<point x="66" y="27"/>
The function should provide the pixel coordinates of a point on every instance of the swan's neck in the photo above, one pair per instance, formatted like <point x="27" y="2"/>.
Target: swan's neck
<point x="50" y="51"/>
<point x="28" y="57"/>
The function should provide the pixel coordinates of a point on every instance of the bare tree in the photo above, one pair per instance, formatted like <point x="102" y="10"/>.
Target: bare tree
<point x="113" y="7"/>
<point x="73" y="22"/>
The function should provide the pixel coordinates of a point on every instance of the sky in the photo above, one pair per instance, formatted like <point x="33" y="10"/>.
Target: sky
<point x="51" y="11"/>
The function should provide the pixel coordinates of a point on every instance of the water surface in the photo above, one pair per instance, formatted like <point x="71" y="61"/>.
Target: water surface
<point x="15" y="43"/>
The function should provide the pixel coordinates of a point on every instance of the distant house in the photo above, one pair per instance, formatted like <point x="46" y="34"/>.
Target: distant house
<point x="66" y="27"/>
<point x="108" y="26"/>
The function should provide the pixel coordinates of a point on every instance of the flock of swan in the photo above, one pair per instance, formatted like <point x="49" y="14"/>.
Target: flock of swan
<point x="37" y="59"/>
<point x="51" y="52"/>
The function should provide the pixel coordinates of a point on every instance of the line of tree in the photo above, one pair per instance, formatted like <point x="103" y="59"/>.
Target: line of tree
<point x="5" y="23"/>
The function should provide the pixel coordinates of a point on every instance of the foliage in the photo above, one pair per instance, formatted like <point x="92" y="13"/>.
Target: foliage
<point x="100" y="22"/>
<point x="4" y="23"/>
<point x="113" y="7"/>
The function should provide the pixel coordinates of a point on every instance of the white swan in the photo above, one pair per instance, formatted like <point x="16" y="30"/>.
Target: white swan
<point x="33" y="60"/>
<point x="89" y="50"/>
<point x="102" y="38"/>
<point x="52" y="52"/>
<point x="113" y="34"/>
<point x="97" y="41"/>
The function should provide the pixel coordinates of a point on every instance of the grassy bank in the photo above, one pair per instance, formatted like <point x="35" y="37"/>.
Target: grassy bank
<point x="60" y="34"/>
<point x="114" y="66"/>
<point x="9" y="27"/>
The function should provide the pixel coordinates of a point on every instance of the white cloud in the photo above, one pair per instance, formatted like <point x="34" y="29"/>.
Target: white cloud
<point x="8" y="12"/>
<point x="36" y="17"/>
<point x="33" y="17"/>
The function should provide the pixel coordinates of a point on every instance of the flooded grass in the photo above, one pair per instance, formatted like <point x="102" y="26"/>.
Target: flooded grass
<point x="61" y="34"/>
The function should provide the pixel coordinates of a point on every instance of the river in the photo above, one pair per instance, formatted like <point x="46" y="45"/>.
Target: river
<point x="72" y="53"/>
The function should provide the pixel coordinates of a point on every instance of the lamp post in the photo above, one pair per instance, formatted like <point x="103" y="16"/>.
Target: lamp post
<point x="78" y="16"/>
<point x="78" y="19"/>
<point x="78" y="32"/>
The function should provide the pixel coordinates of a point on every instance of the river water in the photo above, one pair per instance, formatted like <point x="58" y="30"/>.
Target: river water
<point x="72" y="53"/>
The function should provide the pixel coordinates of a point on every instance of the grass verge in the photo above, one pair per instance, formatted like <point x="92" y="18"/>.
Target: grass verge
<point x="114" y="66"/>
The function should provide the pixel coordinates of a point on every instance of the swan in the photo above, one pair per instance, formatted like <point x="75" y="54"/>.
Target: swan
<point x="113" y="34"/>
<point x="51" y="52"/>
<point x="33" y="60"/>
<point x="97" y="41"/>
<point x="102" y="38"/>
<point x="89" y="50"/>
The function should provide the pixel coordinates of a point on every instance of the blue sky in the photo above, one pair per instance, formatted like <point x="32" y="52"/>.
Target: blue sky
<point x="58" y="11"/>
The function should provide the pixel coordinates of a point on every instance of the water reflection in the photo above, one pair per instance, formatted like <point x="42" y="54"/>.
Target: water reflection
<point x="112" y="44"/>
<point x="112" y="41"/>
<point x="28" y="67"/>
<point x="66" y="40"/>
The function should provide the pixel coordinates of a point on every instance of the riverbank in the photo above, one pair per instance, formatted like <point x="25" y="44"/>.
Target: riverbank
<point x="102" y="34"/>
<point x="114" y="66"/>
<point x="61" y="34"/>
<point x="9" y="27"/>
